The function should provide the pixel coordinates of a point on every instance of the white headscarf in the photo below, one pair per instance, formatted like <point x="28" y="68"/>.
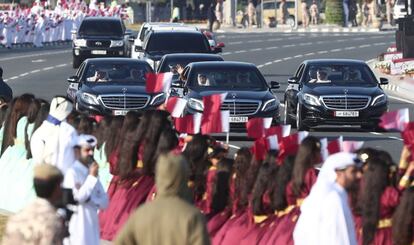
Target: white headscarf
<point x="316" y="207"/>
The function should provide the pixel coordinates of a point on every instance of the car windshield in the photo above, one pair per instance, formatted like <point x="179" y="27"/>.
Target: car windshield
<point x="339" y="75"/>
<point x="116" y="73"/>
<point x="101" y="28"/>
<point x="224" y="78"/>
<point x="171" y="64"/>
<point x="177" y="43"/>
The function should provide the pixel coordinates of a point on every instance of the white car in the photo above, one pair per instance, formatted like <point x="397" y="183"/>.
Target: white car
<point x="399" y="9"/>
<point x="156" y="26"/>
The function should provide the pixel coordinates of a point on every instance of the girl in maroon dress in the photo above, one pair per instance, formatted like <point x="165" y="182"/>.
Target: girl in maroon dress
<point x="403" y="219"/>
<point x="303" y="177"/>
<point x="279" y="201"/>
<point x="377" y="202"/>
<point x="237" y="197"/>
<point x="134" y="175"/>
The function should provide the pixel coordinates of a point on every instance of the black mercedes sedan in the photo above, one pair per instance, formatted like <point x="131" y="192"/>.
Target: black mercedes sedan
<point x="248" y="93"/>
<point x="334" y="92"/>
<point x="112" y="86"/>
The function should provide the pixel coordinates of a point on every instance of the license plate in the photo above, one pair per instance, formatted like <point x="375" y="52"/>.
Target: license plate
<point x="100" y="52"/>
<point x="238" y="119"/>
<point x="120" y="112"/>
<point x="346" y="113"/>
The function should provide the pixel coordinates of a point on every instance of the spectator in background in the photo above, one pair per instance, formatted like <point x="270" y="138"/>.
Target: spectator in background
<point x="6" y="93"/>
<point x="259" y="14"/>
<point x="251" y="11"/>
<point x="211" y="16"/>
<point x="39" y="222"/>
<point x="345" y="5"/>
<point x="175" y="14"/>
<point x="353" y="11"/>
<point x="314" y="13"/>
<point x="189" y="11"/>
<point x="284" y="14"/>
<point x="388" y="7"/>
<point x="170" y="218"/>
<point x="305" y="15"/>
<point x="219" y="11"/>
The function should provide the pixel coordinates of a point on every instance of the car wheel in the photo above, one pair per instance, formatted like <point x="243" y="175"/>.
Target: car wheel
<point x="288" y="119"/>
<point x="299" y="120"/>
<point x="76" y="62"/>
<point x="291" y="21"/>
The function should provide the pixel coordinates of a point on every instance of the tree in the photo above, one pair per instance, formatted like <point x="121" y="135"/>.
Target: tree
<point x="334" y="13"/>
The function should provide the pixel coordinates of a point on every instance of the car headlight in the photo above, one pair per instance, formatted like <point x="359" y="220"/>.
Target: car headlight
<point x="378" y="100"/>
<point x="79" y="42"/>
<point x="311" y="99"/>
<point x="158" y="99"/>
<point x="117" y="43"/>
<point x="269" y="105"/>
<point x="89" y="99"/>
<point x="196" y="104"/>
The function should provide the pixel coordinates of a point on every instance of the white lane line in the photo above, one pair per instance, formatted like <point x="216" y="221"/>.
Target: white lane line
<point x="298" y="56"/>
<point x="268" y="63"/>
<point x="275" y="39"/>
<point x="287" y="58"/>
<point x="239" y="42"/>
<point x="276" y="61"/>
<point x="401" y="99"/>
<point x="260" y="66"/>
<point x="24" y="74"/>
<point x="322" y="52"/>
<point x="255" y="41"/>
<point x="226" y="53"/>
<point x="274" y="47"/>
<point x="336" y="50"/>
<point x="255" y="49"/>
<point x="364" y="46"/>
<point x="35" y="71"/>
<point x="35" y="55"/>
<point x="288" y="45"/>
<point x="14" y="77"/>
<point x="309" y="54"/>
<point x="47" y="68"/>
<point x="349" y="48"/>
<point x="61" y="65"/>
<point x="240" y="51"/>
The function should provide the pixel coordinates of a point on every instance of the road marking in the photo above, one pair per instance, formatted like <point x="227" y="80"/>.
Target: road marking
<point x="287" y="58"/>
<point x="276" y="61"/>
<point x="24" y="74"/>
<point x="61" y="65"/>
<point x="226" y="53"/>
<point x="336" y="50"/>
<point x="274" y="47"/>
<point x="260" y="66"/>
<point x="47" y="68"/>
<point x="288" y="46"/>
<point x="298" y="56"/>
<point x="309" y="54"/>
<point x="349" y="48"/>
<point x="322" y="52"/>
<point x="35" y="71"/>
<point x="401" y="99"/>
<point x="239" y="42"/>
<point x="35" y="55"/>
<point x="14" y="77"/>
<point x="38" y="61"/>
<point x="240" y="51"/>
<point x="268" y="63"/>
<point x="364" y="46"/>
<point x="255" y="41"/>
<point x="255" y="49"/>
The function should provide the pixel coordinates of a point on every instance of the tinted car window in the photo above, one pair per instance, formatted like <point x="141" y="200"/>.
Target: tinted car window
<point x="223" y="78"/>
<point x="177" y="43"/>
<point x="101" y="28"/>
<point x="167" y="65"/>
<point x="116" y="72"/>
<point x="349" y="75"/>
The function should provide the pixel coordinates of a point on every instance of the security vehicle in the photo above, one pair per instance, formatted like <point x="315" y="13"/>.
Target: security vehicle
<point x="334" y="92"/>
<point x="248" y="93"/>
<point x="159" y="43"/>
<point x="100" y="37"/>
<point x="114" y="86"/>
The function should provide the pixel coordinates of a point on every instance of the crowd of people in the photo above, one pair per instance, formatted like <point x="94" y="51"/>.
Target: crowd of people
<point x="40" y="24"/>
<point x="135" y="180"/>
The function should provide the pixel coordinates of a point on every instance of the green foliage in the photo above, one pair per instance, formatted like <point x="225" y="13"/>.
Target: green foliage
<point x="334" y="12"/>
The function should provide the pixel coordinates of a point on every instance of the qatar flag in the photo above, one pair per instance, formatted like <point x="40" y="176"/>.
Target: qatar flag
<point x="351" y="146"/>
<point x="158" y="82"/>
<point x="290" y="145"/>
<point x="189" y="124"/>
<point x="216" y="123"/>
<point x="335" y="145"/>
<point x="281" y="131"/>
<point x="257" y="127"/>
<point x="263" y="145"/>
<point x="396" y="120"/>
<point x="175" y="106"/>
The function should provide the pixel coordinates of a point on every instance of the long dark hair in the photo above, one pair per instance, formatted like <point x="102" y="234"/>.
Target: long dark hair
<point x="197" y="157"/>
<point x="262" y="186"/>
<point x="86" y="125"/>
<point x="284" y="175"/>
<point x="18" y="110"/>
<point x="309" y="149"/>
<point x="113" y="136"/>
<point x="403" y="219"/>
<point x="3" y="114"/>
<point x="42" y="114"/>
<point x="32" y="112"/>
<point x="221" y="185"/>
<point x="103" y="131"/>
<point x="242" y="163"/>
<point x="375" y="182"/>
<point x="168" y="141"/>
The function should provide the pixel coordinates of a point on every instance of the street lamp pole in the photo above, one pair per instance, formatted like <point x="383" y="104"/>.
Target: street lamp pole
<point x="172" y="8"/>
<point x="296" y="13"/>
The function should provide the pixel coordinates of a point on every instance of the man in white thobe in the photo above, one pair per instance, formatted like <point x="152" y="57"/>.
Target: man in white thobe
<point x="54" y="140"/>
<point x="88" y="191"/>
<point x="326" y="217"/>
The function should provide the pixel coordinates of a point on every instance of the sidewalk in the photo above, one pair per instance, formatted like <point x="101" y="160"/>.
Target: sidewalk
<point x="30" y="45"/>
<point x="401" y="85"/>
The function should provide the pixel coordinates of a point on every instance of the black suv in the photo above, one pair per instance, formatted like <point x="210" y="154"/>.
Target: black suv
<point x="159" y="43"/>
<point x="100" y="37"/>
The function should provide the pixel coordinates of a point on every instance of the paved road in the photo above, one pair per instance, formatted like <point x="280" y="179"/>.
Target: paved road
<point x="44" y="72"/>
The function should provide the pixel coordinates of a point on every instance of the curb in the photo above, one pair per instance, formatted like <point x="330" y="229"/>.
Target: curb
<point x="402" y="89"/>
<point x="30" y="45"/>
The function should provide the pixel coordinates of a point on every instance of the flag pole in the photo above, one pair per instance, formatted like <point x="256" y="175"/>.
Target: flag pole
<point x="227" y="137"/>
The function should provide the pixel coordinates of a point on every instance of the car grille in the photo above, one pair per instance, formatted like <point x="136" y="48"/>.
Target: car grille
<point x="125" y="102"/>
<point x="241" y="108"/>
<point x="98" y="44"/>
<point x="346" y="102"/>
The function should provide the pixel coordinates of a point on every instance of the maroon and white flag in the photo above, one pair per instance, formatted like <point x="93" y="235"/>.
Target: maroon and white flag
<point x="351" y="146"/>
<point x="263" y="145"/>
<point x="189" y="124"/>
<point x="175" y="106"/>
<point x="215" y="120"/>
<point x="289" y="145"/>
<point x="281" y="131"/>
<point x="396" y="120"/>
<point x="257" y="127"/>
<point x="158" y="82"/>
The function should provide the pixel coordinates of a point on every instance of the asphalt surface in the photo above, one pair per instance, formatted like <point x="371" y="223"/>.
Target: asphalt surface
<point x="43" y="72"/>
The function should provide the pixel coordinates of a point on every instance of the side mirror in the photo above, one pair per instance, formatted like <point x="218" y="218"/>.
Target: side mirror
<point x="73" y="79"/>
<point x="384" y="81"/>
<point x="220" y="45"/>
<point x="293" y="80"/>
<point x="274" y="85"/>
